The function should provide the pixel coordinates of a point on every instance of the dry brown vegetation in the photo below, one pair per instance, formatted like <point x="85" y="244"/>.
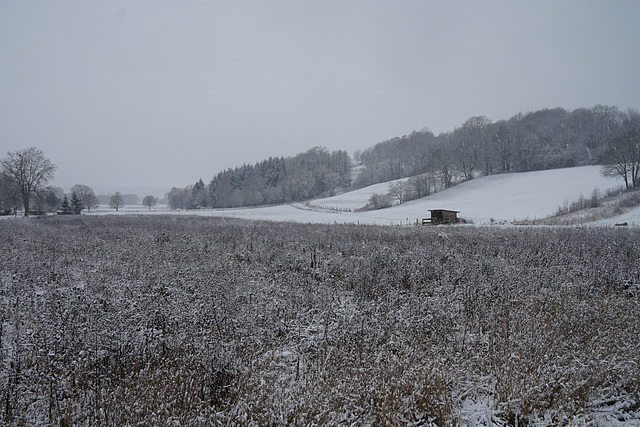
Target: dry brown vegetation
<point x="198" y="321"/>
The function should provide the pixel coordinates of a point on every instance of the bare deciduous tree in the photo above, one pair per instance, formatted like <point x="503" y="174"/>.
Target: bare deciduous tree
<point x="149" y="201"/>
<point x="421" y="184"/>
<point x="116" y="201"/>
<point x="623" y="156"/>
<point x="399" y="190"/>
<point x="178" y="198"/>
<point x="31" y="171"/>
<point x="623" y="159"/>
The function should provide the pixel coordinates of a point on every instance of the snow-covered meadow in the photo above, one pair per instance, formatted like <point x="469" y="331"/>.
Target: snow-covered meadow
<point x="174" y="320"/>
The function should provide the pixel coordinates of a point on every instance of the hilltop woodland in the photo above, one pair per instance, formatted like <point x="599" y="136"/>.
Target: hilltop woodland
<point x="545" y="139"/>
<point x="276" y="180"/>
<point x="162" y="320"/>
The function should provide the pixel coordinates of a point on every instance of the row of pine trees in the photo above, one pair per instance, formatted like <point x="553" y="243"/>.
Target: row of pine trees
<point x="314" y="173"/>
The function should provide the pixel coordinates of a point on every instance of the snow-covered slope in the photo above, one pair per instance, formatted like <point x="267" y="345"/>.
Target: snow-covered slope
<point x="503" y="198"/>
<point x="516" y="196"/>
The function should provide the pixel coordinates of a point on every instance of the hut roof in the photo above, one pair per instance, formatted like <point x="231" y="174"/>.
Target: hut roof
<point x="442" y="210"/>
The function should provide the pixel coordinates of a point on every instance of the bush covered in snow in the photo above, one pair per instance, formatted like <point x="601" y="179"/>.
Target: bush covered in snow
<point x="197" y="321"/>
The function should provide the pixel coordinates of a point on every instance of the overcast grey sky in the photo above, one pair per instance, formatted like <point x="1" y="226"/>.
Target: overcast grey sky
<point x="122" y="94"/>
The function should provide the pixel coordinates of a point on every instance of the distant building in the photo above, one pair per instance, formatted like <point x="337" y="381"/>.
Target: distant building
<point x="441" y="216"/>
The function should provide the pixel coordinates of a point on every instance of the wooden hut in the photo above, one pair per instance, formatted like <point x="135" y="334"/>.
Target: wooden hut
<point x="441" y="216"/>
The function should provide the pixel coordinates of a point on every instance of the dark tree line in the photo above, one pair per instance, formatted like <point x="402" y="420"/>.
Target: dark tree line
<point x="545" y="139"/>
<point x="314" y="173"/>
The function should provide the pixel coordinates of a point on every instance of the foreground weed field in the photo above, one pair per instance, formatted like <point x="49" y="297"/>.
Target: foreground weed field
<point x="165" y="320"/>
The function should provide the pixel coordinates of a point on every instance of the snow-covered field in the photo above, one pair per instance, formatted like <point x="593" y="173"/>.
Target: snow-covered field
<point x="173" y="320"/>
<point x="493" y="199"/>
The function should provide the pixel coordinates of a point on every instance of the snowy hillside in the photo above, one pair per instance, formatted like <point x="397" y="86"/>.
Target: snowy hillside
<point x="506" y="197"/>
<point x="502" y="198"/>
<point x="518" y="196"/>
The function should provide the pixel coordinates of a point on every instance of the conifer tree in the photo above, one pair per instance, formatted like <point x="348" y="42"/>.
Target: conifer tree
<point x="76" y="204"/>
<point x="65" y="207"/>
